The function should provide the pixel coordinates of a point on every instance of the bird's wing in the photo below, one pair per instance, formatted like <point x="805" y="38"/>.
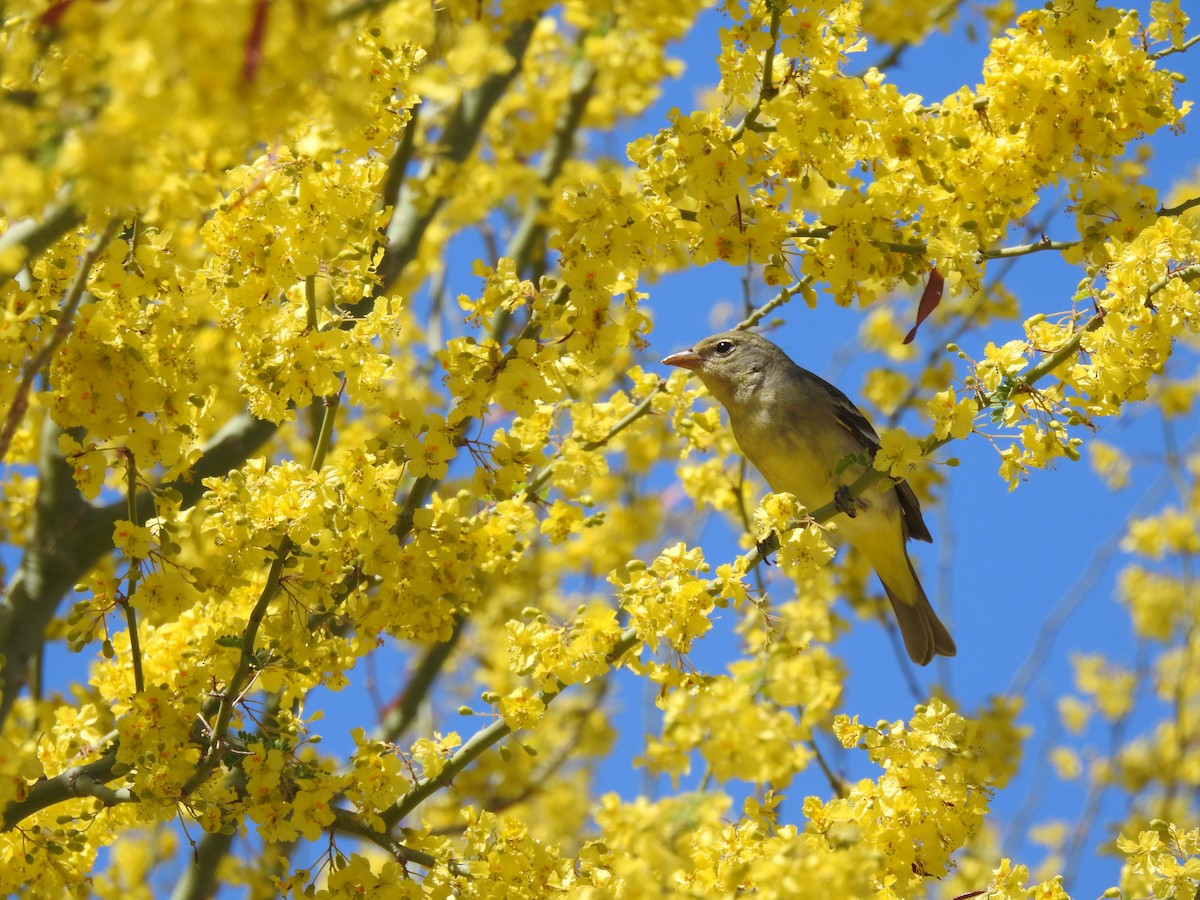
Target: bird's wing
<point x="914" y="522"/>
<point x="850" y="418"/>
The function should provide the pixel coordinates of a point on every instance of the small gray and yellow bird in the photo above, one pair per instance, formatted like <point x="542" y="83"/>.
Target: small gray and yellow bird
<point x="798" y="429"/>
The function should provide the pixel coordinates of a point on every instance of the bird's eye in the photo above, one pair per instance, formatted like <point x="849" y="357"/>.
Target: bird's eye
<point x="723" y="348"/>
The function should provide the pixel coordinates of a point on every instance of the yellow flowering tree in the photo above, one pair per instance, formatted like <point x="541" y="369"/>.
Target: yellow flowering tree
<point x="259" y="448"/>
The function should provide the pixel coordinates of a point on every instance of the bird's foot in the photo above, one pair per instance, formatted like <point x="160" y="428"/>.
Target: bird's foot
<point x="766" y="547"/>
<point x="845" y="503"/>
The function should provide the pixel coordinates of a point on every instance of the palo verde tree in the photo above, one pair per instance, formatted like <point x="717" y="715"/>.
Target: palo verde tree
<point x="263" y="456"/>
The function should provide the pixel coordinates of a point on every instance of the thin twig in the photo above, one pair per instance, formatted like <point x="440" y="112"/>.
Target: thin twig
<point x="481" y="741"/>
<point x="242" y="675"/>
<point x="66" y="319"/>
<point x="766" y="87"/>
<point x="1026" y="249"/>
<point x="1169" y="50"/>
<point x="1180" y="209"/>
<point x="135" y="644"/>
<point x="34" y="236"/>
<point x="784" y="296"/>
<point x="836" y="782"/>
<point x="538" y="481"/>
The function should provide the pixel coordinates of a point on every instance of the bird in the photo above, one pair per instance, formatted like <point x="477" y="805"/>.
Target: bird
<point x="803" y="434"/>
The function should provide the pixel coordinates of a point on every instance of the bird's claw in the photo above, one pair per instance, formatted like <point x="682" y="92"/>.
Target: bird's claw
<point x="846" y="503"/>
<point x="765" y="548"/>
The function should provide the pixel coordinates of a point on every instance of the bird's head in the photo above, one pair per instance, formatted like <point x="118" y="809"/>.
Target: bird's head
<point x="732" y="364"/>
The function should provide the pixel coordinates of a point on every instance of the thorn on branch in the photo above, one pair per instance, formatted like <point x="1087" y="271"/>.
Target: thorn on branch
<point x="1180" y="209"/>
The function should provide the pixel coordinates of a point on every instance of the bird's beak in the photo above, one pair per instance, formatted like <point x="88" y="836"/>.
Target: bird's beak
<point x="685" y="359"/>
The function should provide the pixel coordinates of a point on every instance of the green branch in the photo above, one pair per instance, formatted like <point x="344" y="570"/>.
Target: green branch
<point x="199" y="880"/>
<point x="34" y="237"/>
<point x="1038" y="246"/>
<point x="87" y="780"/>
<point x="766" y="87"/>
<point x="400" y="716"/>
<point x="231" y="695"/>
<point x="1188" y="274"/>
<point x="582" y="89"/>
<point x="412" y="216"/>
<point x="784" y="296"/>
<point x="64" y="524"/>
<point x="481" y="741"/>
<point x="1180" y="49"/>
<point x="1180" y="209"/>
<point x="135" y="644"/>
<point x="397" y="169"/>
<point x="66" y="321"/>
<point x="538" y="481"/>
<point x="920" y="248"/>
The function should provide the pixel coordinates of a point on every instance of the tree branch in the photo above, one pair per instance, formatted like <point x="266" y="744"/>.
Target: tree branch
<point x="398" y="718"/>
<point x="36" y="237"/>
<point x="1026" y="249"/>
<point x="920" y="248"/>
<point x="87" y="780"/>
<point x="61" y="524"/>
<point x="198" y="881"/>
<point x="70" y="535"/>
<point x="538" y="481"/>
<point x="583" y="87"/>
<point x="480" y="742"/>
<point x="1180" y="209"/>
<point x="66" y="321"/>
<point x="240" y="680"/>
<point x="766" y="87"/>
<point x="410" y="217"/>
<point x="1169" y="50"/>
<point x="784" y="296"/>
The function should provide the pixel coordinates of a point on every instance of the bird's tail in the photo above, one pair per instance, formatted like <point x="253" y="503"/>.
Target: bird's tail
<point x="924" y="634"/>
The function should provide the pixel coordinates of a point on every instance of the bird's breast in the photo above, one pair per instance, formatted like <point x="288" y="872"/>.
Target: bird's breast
<point x="791" y="451"/>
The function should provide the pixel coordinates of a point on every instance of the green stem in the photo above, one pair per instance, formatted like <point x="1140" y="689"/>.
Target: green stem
<point x="538" y="481"/>
<point x="66" y="320"/>
<point x="135" y="645"/>
<point x="36" y="237"/>
<point x="1180" y="209"/>
<point x="310" y="307"/>
<point x="766" y="87"/>
<point x="784" y="296"/>
<point x="398" y="719"/>
<point x="1191" y="42"/>
<point x="241" y="677"/>
<point x="479" y="742"/>
<point x="1026" y="249"/>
